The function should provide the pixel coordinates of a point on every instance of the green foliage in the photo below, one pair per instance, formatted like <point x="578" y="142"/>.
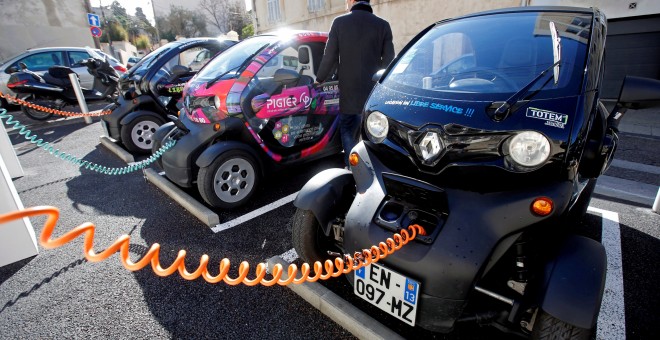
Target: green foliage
<point x="116" y="32"/>
<point x="142" y="42"/>
<point x="247" y="31"/>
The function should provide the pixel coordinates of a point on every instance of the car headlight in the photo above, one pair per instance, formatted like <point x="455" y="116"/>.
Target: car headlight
<point x="377" y="127"/>
<point x="529" y="148"/>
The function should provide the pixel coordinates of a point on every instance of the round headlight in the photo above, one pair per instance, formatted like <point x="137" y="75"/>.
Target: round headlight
<point x="377" y="126"/>
<point x="216" y="102"/>
<point x="529" y="148"/>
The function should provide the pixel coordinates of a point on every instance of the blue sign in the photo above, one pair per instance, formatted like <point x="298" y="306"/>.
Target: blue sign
<point x="93" y="19"/>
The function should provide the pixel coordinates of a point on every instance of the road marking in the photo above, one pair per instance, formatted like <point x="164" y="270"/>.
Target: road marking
<point x="612" y="317"/>
<point x="256" y="213"/>
<point x="617" y="163"/>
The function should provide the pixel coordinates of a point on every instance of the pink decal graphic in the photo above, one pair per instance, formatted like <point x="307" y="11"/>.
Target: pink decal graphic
<point x="297" y="100"/>
<point x="285" y="139"/>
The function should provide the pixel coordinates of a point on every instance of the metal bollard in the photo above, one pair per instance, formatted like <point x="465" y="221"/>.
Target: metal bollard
<point x="656" y="204"/>
<point x="80" y="96"/>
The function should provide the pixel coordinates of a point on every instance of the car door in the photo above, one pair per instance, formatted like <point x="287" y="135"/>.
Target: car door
<point x="75" y="59"/>
<point x="298" y="118"/>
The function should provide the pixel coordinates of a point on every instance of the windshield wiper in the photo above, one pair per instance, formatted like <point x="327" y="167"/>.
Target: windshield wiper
<point x="237" y="68"/>
<point x="504" y="110"/>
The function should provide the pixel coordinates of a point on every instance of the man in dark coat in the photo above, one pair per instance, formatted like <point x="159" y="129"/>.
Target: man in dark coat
<point x="359" y="44"/>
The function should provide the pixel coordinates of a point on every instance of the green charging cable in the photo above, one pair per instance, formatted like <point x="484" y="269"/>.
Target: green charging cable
<point x="27" y="134"/>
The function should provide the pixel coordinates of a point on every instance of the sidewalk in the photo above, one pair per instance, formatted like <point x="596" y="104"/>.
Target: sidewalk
<point x="641" y="122"/>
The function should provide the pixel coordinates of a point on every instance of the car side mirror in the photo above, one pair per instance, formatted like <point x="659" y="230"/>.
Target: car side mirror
<point x="285" y="75"/>
<point x="639" y="92"/>
<point x="179" y="70"/>
<point x="303" y="55"/>
<point x="12" y="69"/>
<point x="376" y="77"/>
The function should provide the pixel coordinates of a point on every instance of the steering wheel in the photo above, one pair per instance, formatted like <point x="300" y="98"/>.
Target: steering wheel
<point x="480" y="76"/>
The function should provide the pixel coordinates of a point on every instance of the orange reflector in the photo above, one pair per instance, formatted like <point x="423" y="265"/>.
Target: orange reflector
<point x="216" y="126"/>
<point x="178" y="113"/>
<point x="353" y="159"/>
<point x="542" y="206"/>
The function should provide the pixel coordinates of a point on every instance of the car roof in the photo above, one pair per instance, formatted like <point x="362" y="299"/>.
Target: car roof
<point x="55" y="49"/>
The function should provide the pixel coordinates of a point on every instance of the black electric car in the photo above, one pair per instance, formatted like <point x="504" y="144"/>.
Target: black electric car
<point x="488" y="132"/>
<point x="150" y="91"/>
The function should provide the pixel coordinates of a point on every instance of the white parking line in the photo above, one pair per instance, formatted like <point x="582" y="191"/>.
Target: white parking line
<point x="612" y="317"/>
<point x="230" y="224"/>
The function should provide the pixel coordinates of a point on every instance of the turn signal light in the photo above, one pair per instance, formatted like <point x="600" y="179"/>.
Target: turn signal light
<point x="353" y="159"/>
<point x="216" y="127"/>
<point x="542" y="206"/>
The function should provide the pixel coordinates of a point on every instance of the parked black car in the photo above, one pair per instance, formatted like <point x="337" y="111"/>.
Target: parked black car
<point x="495" y="158"/>
<point x="151" y="89"/>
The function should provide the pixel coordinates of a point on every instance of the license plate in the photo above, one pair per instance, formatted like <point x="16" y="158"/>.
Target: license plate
<point x="389" y="291"/>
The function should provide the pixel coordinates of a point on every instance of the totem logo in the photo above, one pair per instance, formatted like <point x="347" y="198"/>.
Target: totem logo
<point x="551" y="118"/>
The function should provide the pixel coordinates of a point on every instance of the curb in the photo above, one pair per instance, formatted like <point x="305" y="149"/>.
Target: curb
<point x="111" y="145"/>
<point x="200" y="211"/>
<point x="339" y="310"/>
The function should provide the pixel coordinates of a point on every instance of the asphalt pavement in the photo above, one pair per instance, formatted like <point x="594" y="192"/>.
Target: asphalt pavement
<point x="60" y="294"/>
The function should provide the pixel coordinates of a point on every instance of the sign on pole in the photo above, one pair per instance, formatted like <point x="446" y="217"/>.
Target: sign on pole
<point x="93" y="19"/>
<point x="96" y="32"/>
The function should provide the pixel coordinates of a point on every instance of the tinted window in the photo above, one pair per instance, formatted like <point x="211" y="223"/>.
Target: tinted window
<point x="42" y="61"/>
<point x="75" y="57"/>
<point x="494" y="55"/>
<point x="229" y="61"/>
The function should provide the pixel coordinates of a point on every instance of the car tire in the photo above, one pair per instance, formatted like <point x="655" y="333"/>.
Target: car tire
<point x="309" y="241"/>
<point x="547" y="327"/>
<point x="35" y="114"/>
<point x="137" y="135"/>
<point x="230" y="180"/>
<point x="158" y="142"/>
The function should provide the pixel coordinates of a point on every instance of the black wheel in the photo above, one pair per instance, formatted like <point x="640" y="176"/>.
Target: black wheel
<point x="137" y="135"/>
<point x="547" y="327"/>
<point x="310" y="242"/>
<point x="229" y="181"/>
<point x="35" y="114"/>
<point x="579" y="209"/>
<point x="158" y="139"/>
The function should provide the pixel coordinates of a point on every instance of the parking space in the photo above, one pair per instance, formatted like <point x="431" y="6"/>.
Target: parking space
<point x="104" y="300"/>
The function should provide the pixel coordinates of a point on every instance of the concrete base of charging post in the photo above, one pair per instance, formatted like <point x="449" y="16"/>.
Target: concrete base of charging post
<point x="17" y="239"/>
<point x="339" y="310"/>
<point x="8" y="154"/>
<point x="199" y="210"/>
<point x="111" y="145"/>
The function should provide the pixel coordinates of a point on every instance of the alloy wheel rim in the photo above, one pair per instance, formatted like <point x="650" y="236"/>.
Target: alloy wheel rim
<point x="234" y="180"/>
<point x="142" y="134"/>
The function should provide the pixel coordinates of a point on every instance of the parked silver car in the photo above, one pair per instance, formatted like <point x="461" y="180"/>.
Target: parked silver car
<point x="39" y="60"/>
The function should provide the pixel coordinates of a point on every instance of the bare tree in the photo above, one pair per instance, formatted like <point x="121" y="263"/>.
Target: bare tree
<point x="226" y="15"/>
<point x="217" y="12"/>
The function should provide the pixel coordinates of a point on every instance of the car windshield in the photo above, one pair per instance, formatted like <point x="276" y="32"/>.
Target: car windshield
<point x="223" y="65"/>
<point x="150" y="58"/>
<point x="492" y="56"/>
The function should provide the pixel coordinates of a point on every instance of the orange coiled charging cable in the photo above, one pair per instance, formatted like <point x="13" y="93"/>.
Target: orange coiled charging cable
<point x="53" y="111"/>
<point x="332" y="268"/>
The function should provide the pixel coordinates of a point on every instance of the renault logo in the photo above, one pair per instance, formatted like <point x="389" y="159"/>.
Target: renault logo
<point x="430" y="147"/>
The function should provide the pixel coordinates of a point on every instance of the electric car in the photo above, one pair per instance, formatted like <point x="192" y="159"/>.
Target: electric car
<point x="251" y="110"/>
<point x="496" y="160"/>
<point x="151" y="91"/>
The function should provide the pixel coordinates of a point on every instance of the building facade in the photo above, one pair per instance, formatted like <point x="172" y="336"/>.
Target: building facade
<point x="633" y="43"/>
<point x="42" y="23"/>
